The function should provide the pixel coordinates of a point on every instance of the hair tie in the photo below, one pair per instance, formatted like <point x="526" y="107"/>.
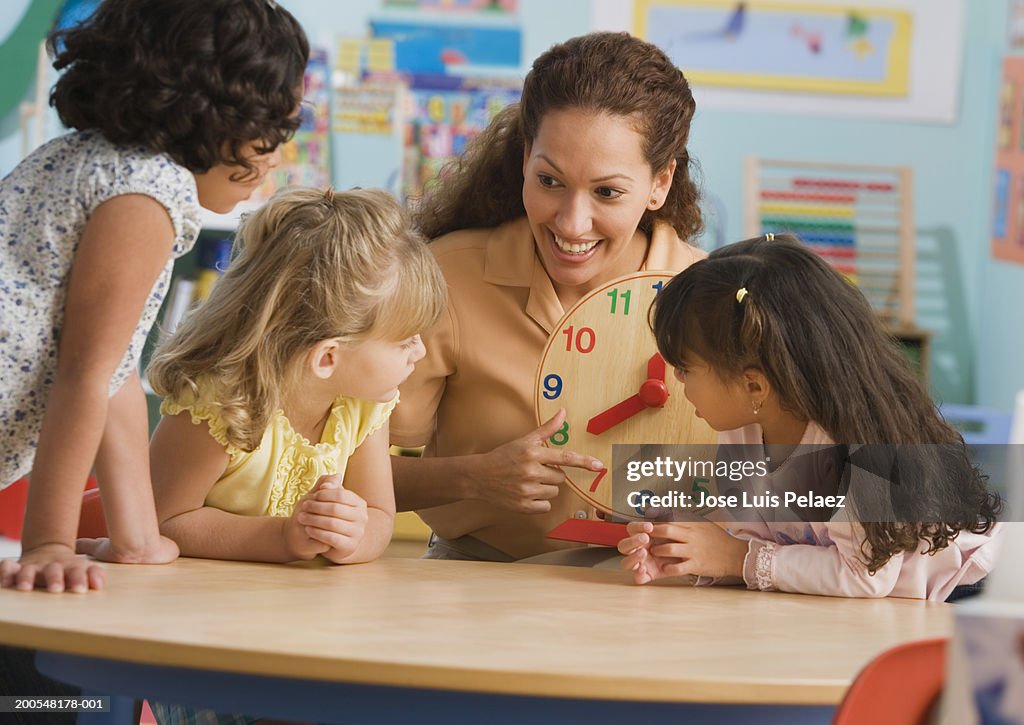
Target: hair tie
<point x="769" y="237"/>
<point x="741" y="293"/>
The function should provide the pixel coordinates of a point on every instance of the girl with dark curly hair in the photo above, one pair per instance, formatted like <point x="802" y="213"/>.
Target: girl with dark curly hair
<point x="176" y="104"/>
<point x="784" y="356"/>
<point x="586" y="179"/>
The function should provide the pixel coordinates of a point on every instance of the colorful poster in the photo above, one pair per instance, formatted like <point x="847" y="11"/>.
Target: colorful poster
<point x="304" y="159"/>
<point x="1002" y="200"/>
<point x="456" y="6"/>
<point x="451" y="49"/>
<point x="1005" y="131"/>
<point x="367" y="107"/>
<point x="443" y="114"/>
<point x="810" y="47"/>
<point x="353" y="55"/>
<point x="1008" y="211"/>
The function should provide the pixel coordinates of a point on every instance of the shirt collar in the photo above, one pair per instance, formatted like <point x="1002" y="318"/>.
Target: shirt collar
<point x="512" y="261"/>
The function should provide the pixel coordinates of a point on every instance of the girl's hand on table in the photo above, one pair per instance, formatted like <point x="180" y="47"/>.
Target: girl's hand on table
<point x="53" y="567"/>
<point x="162" y="551"/>
<point x="654" y="551"/>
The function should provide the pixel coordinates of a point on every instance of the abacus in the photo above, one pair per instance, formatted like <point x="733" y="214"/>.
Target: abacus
<point x="858" y="218"/>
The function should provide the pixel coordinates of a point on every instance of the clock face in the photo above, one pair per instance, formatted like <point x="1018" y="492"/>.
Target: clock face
<point x="602" y="365"/>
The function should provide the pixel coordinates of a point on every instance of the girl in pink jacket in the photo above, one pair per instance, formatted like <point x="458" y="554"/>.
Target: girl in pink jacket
<point x="780" y="353"/>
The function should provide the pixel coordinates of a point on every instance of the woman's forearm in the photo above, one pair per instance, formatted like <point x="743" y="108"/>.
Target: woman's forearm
<point x="422" y="483"/>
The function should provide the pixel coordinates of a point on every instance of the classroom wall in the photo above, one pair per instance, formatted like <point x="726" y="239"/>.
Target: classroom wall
<point x="952" y="167"/>
<point x="971" y="302"/>
<point x="999" y="321"/>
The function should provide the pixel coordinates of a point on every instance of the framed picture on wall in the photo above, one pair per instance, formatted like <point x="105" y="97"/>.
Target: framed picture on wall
<point x="878" y="59"/>
<point x="816" y="48"/>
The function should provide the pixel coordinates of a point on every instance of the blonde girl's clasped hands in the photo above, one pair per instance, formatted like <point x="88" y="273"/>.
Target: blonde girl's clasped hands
<point x="274" y="445"/>
<point x="90" y="225"/>
<point x="328" y="520"/>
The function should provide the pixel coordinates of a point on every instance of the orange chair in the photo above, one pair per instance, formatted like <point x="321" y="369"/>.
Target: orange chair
<point x="901" y="685"/>
<point x="91" y="524"/>
<point x="12" y="511"/>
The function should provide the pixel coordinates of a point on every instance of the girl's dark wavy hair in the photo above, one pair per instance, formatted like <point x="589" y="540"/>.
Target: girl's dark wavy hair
<point x="610" y="73"/>
<point x="829" y="359"/>
<point x="195" y="79"/>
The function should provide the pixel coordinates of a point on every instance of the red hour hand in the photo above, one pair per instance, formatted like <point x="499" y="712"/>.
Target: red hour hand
<point x="615" y="414"/>
<point x="653" y="394"/>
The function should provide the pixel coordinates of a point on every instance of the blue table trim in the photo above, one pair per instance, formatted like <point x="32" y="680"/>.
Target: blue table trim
<point x="355" y="703"/>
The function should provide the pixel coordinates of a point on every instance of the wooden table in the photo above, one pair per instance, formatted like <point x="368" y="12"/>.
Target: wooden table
<point x="403" y="640"/>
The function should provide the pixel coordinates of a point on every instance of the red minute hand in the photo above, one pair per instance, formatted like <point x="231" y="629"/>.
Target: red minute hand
<point x="615" y="414"/>
<point x="656" y="367"/>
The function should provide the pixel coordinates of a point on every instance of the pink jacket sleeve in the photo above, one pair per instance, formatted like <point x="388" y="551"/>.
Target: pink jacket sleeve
<point x="836" y="570"/>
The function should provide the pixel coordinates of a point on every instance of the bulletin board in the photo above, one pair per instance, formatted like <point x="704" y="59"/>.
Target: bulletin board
<point x="909" y="65"/>
<point x="813" y="47"/>
<point x="304" y="158"/>
<point x="442" y="114"/>
<point x="1008" y="211"/>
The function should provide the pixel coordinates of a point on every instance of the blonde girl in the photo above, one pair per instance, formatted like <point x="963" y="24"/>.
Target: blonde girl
<point x="274" y="441"/>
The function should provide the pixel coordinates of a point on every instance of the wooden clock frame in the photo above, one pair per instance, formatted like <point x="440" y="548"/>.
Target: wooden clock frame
<point x="598" y="357"/>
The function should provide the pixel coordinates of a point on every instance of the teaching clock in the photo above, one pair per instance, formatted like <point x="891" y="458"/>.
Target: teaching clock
<point x="602" y="365"/>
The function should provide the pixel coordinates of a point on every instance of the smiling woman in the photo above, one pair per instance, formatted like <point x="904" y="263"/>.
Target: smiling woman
<point x="583" y="181"/>
<point x="586" y="184"/>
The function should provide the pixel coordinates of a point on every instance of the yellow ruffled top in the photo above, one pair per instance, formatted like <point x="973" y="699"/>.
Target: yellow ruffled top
<point x="270" y="480"/>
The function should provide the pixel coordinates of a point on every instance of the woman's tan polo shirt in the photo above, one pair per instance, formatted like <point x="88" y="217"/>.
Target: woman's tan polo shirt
<point x="474" y="389"/>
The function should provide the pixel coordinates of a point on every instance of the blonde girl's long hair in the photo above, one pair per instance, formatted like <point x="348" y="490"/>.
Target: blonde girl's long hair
<point x="310" y="265"/>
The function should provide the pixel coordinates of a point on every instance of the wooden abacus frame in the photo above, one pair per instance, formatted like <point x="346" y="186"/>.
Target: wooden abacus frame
<point x="851" y="197"/>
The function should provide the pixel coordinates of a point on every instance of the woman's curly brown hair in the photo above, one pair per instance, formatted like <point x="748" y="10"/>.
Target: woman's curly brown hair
<point x="195" y="79"/>
<point x="601" y="73"/>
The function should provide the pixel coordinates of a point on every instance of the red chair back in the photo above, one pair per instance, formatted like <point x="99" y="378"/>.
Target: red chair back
<point x="12" y="510"/>
<point x="901" y="685"/>
<point x="91" y="524"/>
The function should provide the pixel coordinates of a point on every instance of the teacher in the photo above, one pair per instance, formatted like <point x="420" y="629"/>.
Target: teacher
<point x="586" y="179"/>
